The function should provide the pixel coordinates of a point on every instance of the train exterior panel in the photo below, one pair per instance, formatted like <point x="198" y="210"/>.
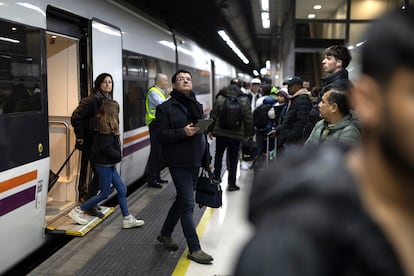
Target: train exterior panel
<point x="51" y="51"/>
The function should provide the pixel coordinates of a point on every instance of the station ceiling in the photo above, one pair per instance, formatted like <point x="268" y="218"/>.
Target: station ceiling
<point x="241" y="19"/>
<point x="200" y="20"/>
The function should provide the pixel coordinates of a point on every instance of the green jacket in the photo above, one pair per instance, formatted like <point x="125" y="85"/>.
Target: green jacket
<point x="246" y="130"/>
<point x="346" y="132"/>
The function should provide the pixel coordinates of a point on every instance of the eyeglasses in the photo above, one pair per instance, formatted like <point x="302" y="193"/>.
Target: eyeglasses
<point x="183" y="79"/>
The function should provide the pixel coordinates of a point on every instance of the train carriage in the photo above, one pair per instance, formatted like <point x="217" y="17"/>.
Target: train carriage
<point x="50" y="52"/>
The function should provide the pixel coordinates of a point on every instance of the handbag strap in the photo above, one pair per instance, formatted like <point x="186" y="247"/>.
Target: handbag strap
<point x="208" y="171"/>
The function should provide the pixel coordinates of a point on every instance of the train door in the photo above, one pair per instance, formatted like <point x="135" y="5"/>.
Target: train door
<point x="68" y="71"/>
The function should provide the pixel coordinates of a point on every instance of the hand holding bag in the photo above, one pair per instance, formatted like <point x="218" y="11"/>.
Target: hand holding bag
<point x="208" y="189"/>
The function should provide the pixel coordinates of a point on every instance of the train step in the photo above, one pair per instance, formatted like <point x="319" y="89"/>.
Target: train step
<point x="66" y="226"/>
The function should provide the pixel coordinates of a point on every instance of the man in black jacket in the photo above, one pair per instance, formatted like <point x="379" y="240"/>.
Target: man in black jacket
<point x="326" y="212"/>
<point x="184" y="150"/>
<point x="290" y="132"/>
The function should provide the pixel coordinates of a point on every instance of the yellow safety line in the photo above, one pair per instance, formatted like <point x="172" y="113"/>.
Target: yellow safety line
<point x="184" y="263"/>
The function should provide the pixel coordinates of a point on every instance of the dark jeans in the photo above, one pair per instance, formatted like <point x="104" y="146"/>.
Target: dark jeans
<point x="233" y="147"/>
<point x="155" y="161"/>
<point x="182" y="209"/>
<point x="108" y="175"/>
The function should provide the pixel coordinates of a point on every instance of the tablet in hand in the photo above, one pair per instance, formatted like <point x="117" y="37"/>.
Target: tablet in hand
<point x="204" y="124"/>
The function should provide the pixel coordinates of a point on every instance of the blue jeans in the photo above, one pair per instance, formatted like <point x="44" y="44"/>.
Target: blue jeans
<point x="184" y="181"/>
<point x="106" y="176"/>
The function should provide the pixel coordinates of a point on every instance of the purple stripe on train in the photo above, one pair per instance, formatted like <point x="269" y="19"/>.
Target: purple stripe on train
<point x="17" y="200"/>
<point x="135" y="147"/>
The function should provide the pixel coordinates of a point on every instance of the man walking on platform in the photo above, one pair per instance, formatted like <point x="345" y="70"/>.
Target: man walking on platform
<point x="184" y="149"/>
<point x="155" y="96"/>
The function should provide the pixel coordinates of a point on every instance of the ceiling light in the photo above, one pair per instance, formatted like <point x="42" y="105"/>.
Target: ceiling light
<point x="265" y="14"/>
<point x="265" y="5"/>
<point x="360" y="43"/>
<point x="317" y="7"/>
<point x="311" y="15"/>
<point x="265" y="20"/>
<point x="11" y="40"/>
<point x="233" y="46"/>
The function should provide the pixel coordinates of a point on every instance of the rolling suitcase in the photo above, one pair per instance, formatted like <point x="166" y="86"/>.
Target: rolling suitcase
<point x="271" y="154"/>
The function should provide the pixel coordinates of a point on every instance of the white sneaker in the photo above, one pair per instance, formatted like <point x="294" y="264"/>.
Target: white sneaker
<point x="130" y="222"/>
<point x="78" y="215"/>
<point x="245" y="165"/>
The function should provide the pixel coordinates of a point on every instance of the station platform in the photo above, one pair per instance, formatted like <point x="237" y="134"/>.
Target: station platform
<point x="110" y="250"/>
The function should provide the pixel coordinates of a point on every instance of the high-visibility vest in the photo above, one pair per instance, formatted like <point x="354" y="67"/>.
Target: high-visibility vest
<point x="150" y="114"/>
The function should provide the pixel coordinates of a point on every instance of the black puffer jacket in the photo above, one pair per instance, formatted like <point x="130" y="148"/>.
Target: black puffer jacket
<point x="106" y="149"/>
<point x="291" y="129"/>
<point x="179" y="150"/>
<point x="309" y="220"/>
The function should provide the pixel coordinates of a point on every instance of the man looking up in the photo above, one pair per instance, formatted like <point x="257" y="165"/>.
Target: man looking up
<point x="336" y="60"/>
<point x="185" y="150"/>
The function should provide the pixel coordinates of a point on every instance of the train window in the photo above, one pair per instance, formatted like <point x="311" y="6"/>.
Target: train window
<point x="139" y="72"/>
<point x="201" y="80"/>
<point x="135" y="79"/>
<point x="20" y="68"/>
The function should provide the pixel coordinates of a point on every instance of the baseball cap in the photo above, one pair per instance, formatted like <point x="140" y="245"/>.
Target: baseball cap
<point x="256" y="81"/>
<point x="293" y="80"/>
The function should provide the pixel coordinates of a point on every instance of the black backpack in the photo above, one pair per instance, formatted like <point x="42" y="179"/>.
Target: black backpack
<point x="231" y="116"/>
<point x="260" y="117"/>
<point x="249" y="150"/>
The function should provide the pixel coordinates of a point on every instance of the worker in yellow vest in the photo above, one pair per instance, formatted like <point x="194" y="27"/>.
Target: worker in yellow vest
<point x="155" y="96"/>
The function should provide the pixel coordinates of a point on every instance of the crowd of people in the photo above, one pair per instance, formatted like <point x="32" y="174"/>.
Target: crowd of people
<point x="352" y="156"/>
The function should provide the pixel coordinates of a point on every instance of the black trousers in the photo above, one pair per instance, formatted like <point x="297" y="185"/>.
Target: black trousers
<point x="155" y="161"/>
<point x="233" y="147"/>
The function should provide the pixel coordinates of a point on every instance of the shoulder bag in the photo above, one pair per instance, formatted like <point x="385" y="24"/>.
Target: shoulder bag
<point x="208" y="189"/>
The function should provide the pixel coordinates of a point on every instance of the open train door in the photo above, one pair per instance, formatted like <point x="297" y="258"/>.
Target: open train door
<point x="68" y="47"/>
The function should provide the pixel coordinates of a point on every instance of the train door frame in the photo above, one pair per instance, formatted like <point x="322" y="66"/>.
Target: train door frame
<point x="74" y="30"/>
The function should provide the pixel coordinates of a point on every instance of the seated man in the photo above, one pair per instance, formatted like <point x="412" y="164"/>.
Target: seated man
<point x="338" y="125"/>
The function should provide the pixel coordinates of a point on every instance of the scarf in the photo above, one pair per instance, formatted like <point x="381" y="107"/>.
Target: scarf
<point x="194" y="112"/>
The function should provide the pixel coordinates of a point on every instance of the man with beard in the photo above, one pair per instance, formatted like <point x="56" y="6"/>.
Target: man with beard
<point x="347" y="213"/>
